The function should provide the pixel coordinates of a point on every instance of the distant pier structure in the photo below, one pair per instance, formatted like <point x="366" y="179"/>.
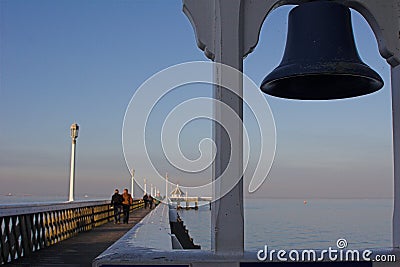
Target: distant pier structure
<point x="178" y="196"/>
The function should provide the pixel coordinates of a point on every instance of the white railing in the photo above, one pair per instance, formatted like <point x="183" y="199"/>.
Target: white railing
<point x="26" y="228"/>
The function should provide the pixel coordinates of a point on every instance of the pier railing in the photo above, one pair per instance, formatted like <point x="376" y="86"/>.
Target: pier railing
<point x="27" y="228"/>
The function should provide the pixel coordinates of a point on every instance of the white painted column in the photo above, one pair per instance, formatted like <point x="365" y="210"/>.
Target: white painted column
<point x="145" y="186"/>
<point x="72" y="172"/>
<point x="227" y="30"/>
<point x="227" y="219"/>
<point x="219" y="32"/>
<point x="396" y="153"/>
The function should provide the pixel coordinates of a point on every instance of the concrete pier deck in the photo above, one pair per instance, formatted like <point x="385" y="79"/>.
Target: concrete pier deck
<point x="83" y="248"/>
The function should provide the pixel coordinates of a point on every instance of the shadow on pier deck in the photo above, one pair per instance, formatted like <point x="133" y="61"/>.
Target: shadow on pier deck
<point x="83" y="248"/>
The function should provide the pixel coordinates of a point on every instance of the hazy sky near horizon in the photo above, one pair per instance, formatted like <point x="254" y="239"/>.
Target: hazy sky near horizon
<point x="81" y="61"/>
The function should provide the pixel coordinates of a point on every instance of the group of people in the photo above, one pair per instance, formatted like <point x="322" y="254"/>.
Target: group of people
<point x="121" y="203"/>
<point x="149" y="201"/>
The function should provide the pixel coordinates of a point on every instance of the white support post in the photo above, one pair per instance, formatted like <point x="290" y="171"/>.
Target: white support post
<point x="145" y="186"/>
<point x="396" y="153"/>
<point x="219" y="28"/>
<point x="72" y="172"/>
<point x="227" y="218"/>
<point x="383" y="18"/>
<point x="227" y="30"/>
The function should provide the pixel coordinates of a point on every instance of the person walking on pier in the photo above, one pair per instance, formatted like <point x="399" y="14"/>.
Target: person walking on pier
<point x="146" y="200"/>
<point x="116" y="201"/>
<point x="151" y="200"/>
<point x="126" y="204"/>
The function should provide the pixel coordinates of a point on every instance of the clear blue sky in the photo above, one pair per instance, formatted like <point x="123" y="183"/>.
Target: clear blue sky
<point x="69" y="60"/>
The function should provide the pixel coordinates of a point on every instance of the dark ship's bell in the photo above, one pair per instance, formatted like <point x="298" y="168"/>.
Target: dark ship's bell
<point x="321" y="61"/>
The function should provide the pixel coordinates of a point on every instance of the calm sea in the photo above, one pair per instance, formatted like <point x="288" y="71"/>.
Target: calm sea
<point x="292" y="224"/>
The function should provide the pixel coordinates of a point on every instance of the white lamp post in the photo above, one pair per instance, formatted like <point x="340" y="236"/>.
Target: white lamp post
<point x="132" y="182"/>
<point x="166" y="188"/>
<point x="74" y="135"/>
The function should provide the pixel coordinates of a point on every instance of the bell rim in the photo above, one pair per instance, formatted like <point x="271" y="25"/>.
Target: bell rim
<point x="379" y="80"/>
<point x="330" y="67"/>
<point x="279" y="93"/>
<point x="350" y="70"/>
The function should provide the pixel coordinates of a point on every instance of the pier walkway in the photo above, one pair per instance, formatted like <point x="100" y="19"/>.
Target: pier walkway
<point x="83" y="248"/>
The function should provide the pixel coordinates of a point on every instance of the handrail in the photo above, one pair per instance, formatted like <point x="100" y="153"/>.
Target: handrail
<point x="19" y="209"/>
<point x="27" y="228"/>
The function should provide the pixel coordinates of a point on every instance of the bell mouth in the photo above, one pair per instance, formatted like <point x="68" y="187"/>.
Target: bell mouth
<point x="326" y="81"/>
